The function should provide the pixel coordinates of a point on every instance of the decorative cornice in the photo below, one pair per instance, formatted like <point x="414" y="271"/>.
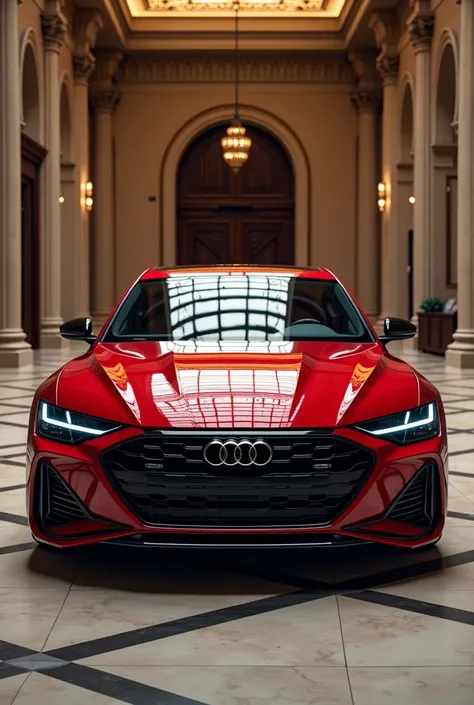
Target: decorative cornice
<point x="53" y="26"/>
<point x="202" y="5"/>
<point x="105" y="101"/>
<point x="366" y="101"/>
<point x="421" y="30"/>
<point x="149" y="70"/>
<point x="87" y="24"/>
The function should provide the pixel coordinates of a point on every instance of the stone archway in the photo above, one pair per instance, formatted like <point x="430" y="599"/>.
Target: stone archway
<point x="244" y="217"/>
<point x="32" y="156"/>
<point x="251" y="117"/>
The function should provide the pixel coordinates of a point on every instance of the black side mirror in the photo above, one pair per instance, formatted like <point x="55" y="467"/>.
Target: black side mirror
<point x="397" y="329"/>
<point x="78" y="329"/>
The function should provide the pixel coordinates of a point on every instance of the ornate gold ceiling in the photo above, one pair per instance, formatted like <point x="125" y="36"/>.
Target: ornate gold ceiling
<point x="147" y="8"/>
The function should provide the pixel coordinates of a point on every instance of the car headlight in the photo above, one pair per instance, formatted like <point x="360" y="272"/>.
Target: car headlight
<point x="411" y="426"/>
<point x="69" y="426"/>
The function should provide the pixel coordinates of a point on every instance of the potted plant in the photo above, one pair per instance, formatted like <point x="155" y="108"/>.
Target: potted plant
<point x="436" y="325"/>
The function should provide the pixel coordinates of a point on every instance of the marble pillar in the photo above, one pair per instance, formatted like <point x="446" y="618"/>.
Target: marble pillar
<point x="54" y="28"/>
<point x="103" y="242"/>
<point x="461" y="351"/>
<point x="14" y="350"/>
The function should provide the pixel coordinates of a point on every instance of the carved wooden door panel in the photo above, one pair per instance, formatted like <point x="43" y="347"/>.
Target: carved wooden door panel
<point x="242" y="218"/>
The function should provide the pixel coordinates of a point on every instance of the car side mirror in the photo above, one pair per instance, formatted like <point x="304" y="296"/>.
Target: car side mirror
<point x="78" y="329"/>
<point x="397" y="329"/>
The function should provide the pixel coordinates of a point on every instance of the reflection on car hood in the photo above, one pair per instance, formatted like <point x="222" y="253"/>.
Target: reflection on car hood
<point x="238" y="385"/>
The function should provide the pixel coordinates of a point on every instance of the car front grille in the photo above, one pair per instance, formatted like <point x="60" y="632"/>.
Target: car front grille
<point x="419" y="503"/>
<point x="165" y="480"/>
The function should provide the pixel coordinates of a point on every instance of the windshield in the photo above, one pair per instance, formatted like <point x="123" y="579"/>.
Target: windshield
<point x="237" y="307"/>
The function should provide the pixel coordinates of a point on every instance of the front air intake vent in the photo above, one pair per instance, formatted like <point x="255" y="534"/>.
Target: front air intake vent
<point x="58" y="504"/>
<point x="419" y="503"/>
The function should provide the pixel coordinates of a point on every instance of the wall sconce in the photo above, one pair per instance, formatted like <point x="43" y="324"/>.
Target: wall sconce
<point x="61" y="199"/>
<point x="382" y="195"/>
<point x="89" y="192"/>
<point x="412" y="199"/>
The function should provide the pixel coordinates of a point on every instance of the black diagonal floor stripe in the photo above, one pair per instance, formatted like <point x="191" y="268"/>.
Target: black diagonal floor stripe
<point x="10" y="488"/>
<point x="7" y="671"/>
<point x="430" y="609"/>
<point x="10" y="651"/>
<point x="458" y="473"/>
<point x="16" y="548"/>
<point x="117" y="687"/>
<point x="461" y="515"/>
<point x="13" y="518"/>
<point x="184" y="625"/>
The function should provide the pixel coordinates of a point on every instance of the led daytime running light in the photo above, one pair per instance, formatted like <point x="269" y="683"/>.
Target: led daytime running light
<point x="407" y="425"/>
<point x="69" y="426"/>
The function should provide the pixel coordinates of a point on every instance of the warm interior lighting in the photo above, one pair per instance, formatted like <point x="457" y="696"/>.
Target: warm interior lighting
<point x="236" y="145"/>
<point x="412" y="199"/>
<point x="382" y="191"/>
<point x="61" y="199"/>
<point x="89" y="191"/>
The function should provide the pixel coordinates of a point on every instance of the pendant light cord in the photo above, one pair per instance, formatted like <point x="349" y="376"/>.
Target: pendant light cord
<point x="236" y="59"/>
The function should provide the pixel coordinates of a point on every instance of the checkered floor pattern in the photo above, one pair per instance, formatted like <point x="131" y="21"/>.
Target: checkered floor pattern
<point x="347" y="627"/>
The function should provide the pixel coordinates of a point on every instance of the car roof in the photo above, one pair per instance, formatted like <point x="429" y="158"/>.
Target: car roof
<point x="306" y="272"/>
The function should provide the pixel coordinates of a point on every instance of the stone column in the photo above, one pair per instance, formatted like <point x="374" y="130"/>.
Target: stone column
<point x="103" y="249"/>
<point x="461" y="352"/>
<point x="14" y="351"/>
<point x="54" y="28"/>
<point x="366" y="99"/>
<point x="393" y="258"/>
<point x="87" y="24"/>
<point x="421" y="27"/>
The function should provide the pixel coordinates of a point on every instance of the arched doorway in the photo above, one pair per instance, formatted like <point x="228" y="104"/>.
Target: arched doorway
<point x="32" y="157"/>
<point x="224" y="217"/>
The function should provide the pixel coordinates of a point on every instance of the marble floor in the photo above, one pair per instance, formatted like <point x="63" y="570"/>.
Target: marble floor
<point x="330" y="627"/>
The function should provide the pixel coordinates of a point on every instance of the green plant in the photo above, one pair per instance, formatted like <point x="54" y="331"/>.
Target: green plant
<point x="432" y="305"/>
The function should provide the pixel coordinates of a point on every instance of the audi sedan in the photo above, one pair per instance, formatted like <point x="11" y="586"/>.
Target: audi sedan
<point x="237" y="407"/>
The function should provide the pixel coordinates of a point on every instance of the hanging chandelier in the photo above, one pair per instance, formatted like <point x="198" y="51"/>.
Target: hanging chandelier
<point x="236" y="144"/>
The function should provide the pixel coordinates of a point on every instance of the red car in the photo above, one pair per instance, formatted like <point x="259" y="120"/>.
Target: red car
<point x="234" y="406"/>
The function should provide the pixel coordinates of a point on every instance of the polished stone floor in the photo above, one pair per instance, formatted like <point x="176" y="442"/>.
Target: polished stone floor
<point x="328" y="627"/>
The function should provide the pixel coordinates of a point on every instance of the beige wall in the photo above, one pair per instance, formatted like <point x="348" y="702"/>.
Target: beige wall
<point x="148" y="117"/>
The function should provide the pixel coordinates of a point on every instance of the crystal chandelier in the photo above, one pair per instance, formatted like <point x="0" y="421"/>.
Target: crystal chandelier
<point x="236" y="144"/>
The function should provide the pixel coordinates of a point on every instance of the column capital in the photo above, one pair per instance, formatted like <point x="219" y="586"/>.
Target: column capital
<point x="53" y="26"/>
<point x="105" y="101"/>
<point x="366" y="101"/>
<point x="421" y="28"/>
<point x="83" y="67"/>
<point x="388" y="66"/>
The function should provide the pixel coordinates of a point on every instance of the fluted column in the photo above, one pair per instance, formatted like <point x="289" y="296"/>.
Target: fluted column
<point x="103" y="250"/>
<point x="83" y="68"/>
<point x="367" y="104"/>
<point x="461" y="352"/>
<point x="421" y="27"/>
<point x="14" y="351"/>
<point x="54" y="28"/>
<point x="391" y="265"/>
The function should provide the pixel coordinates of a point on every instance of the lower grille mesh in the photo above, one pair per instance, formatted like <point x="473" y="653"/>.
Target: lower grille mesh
<point x="166" y="481"/>
<point x="419" y="503"/>
<point x="58" y="503"/>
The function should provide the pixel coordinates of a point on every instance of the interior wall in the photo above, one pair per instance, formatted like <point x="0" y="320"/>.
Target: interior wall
<point x="149" y="115"/>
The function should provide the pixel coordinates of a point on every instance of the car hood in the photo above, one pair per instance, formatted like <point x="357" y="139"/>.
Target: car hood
<point x="233" y="385"/>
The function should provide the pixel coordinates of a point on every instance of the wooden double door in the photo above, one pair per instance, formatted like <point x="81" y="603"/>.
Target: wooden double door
<point x="32" y="157"/>
<point x="228" y="218"/>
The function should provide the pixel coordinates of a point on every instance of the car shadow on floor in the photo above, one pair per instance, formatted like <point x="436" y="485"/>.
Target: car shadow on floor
<point x="218" y="572"/>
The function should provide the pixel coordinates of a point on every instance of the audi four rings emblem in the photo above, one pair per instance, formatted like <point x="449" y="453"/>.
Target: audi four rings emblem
<point x="231" y="453"/>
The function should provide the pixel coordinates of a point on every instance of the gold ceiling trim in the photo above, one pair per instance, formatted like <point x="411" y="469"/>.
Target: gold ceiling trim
<point x="244" y="5"/>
